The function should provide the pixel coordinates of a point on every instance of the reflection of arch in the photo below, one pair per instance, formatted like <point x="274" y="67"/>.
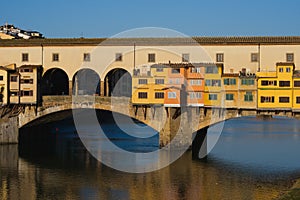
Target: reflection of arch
<point x="86" y="82"/>
<point x="55" y="81"/>
<point x="115" y="86"/>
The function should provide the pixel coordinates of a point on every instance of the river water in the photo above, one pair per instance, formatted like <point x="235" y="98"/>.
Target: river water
<point x="253" y="159"/>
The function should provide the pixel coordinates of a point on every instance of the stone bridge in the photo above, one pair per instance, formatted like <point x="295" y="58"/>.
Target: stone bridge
<point x="179" y="125"/>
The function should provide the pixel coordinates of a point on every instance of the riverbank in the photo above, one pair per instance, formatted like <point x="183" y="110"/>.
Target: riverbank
<point x="293" y="193"/>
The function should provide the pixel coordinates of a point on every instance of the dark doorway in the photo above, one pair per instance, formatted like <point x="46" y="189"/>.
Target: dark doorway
<point x="118" y="83"/>
<point x="55" y="82"/>
<point x="86" y="82"/>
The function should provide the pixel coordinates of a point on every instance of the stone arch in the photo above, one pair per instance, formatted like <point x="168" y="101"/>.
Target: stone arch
<point x="118" y="82"/>
<point x="86" y="82"/>
<point x="55" y="81"/>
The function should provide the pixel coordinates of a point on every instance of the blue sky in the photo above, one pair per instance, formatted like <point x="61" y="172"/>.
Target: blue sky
<point x="96" y="18"/>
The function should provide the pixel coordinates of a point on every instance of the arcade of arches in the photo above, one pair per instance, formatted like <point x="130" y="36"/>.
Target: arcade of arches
<point x="117" y="82"/>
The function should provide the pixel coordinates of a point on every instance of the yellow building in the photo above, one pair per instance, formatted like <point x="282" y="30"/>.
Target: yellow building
<point x="4" y="85"/>
<point x="4" y="82"/>
<point x="275" y="88"/>
<point x="148" y="83"/>
<point x="296" y="91"/>
<point x="230" y="89"/>
<point x="212" y="90"/>
<point x="30" y="78"/>
<point x="247" y="95"/>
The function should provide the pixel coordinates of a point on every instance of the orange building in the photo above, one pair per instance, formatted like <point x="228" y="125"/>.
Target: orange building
<point x="195" y="85"/>
<point x="174" y="85"/>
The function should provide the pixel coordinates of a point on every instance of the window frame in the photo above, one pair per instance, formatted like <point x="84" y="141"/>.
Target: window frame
<point x="254" y="57"/>
<point x="25" y="57"/>
<point x="55" y="57"/>
<point x="118" y="57"/>
<point x="185" y="57"/>
<point x="290" y="57"/>
<point x="143" y="95"/>
<point x="220" y="57"/>
<point x="151" y="57"/>
<point x="86" y="57"/>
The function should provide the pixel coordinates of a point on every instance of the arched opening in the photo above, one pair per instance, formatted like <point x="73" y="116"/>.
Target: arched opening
<point x="55" y="81"/>
<point x="118" y="83"/>
<point x="86" y="82"/>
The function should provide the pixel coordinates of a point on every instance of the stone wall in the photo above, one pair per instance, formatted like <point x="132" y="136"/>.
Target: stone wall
<point x="9" y="131"/>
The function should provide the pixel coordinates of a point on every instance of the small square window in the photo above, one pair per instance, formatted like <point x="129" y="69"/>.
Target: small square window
<point x="185" y="57"/>
<point x="151" y="57"/>
<point x="119" y="57"/>
<point x="290" y="57"/>
<point x="13" y="78"/>
<point x="280" y="69"/>
<point x="87" y="57"/>
<point x="220" y="57"/>
<point x="25" y="57"/>
<point x="288" y="69"/>
<point x="55" y="57"/>
<point x="254" y="57"/>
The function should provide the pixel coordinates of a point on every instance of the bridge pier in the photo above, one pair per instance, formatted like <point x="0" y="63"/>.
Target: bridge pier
<point x="199" y="145"/>
<point x="179" y="126"/>
<point x="9" y="131"/>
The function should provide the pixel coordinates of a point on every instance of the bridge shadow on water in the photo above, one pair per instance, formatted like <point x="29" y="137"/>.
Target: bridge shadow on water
<point x="60" y="138"/>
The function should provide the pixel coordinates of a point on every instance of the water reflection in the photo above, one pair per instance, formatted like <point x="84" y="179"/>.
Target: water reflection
<point x="58" y="167"/>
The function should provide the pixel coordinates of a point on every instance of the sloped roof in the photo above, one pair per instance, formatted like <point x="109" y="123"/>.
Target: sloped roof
<point x="244" y="40"/>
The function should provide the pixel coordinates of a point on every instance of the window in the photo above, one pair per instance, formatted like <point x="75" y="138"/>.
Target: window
<point x="151" y="57"/>
<point x="27" y="93"/>
<point x="143" y="81"/>
<point x="159" y="69"/>
<point x="216" y="83"/>
<point x="175" y="71"/>
<point x="25" y="57"/>
<point x="247" y="81"/>
<point x="55" y="57"/>
<point x="195" y="95"/>
<point x="212" y="96"/>
<point x="289" y="57"/>
<point x="254" y="57"/>
<point x="26" y="81"/>
<point x="211" y="70"/>
<point x="213" y="82"/>
<point x="185" y="57"/>
<point x="26" y="70"/>
<point x="195" y="70"/>
<point x="298" y="100"/>
<point x="248" y="96"/>
<point x="280" y="69"/>
<point x="195" y="82"/>
<point x="296" y="83"/>
<point x="267" y="99"/>
<point x="159" y="95"/>
<point x="172" y="95"/>
<point x="267" y="83"/>
<point x="1" y="78"/>
<point x="143" y="95"/>
<point x="118" y="57"/>
<point x="13" y="78"/>
<point x="284" y="99"/>
<point x="87" y="57"/>
<point x="229" y="97"/>
<point x="14" y="93"/>
<point x="284" y="83"/>
<point x="159" y="81"/>
<point x="229" y="81"/>
<point x="288" y="69"/>
<point x="220" y="57"/>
